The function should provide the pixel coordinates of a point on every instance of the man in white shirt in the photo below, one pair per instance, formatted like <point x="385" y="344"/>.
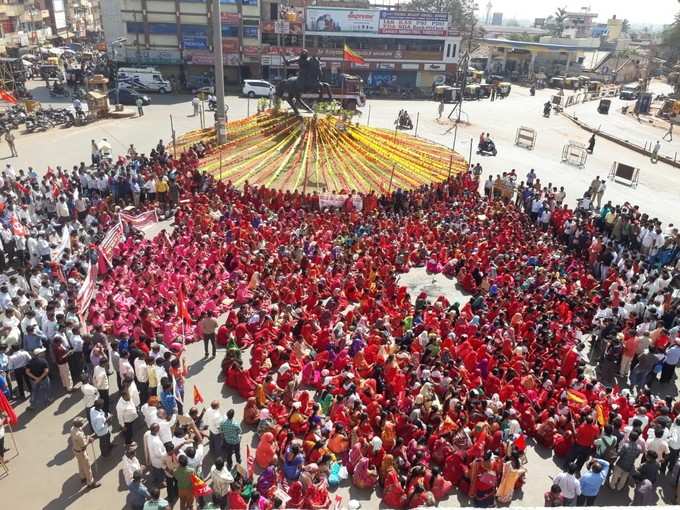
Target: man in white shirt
<point x="165" y="425"/>
<point x="150" y="411"/>
<point x="658" y="445"/>
<point x="100" y="379"/>
<point x="127" y="414"/>
<point x="90" y="395"/>
<point x="142" y="378"/>
<point x="154" y="451"/>
<point x="571" y="488"/>
<point x="130" y="463"/>
<point x="214" y="418"/>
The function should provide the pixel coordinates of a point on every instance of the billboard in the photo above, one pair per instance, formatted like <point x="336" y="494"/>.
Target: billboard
<point x="325" y="19"/>
<point x="59" y="13"/>
<point x="413" y="23"/>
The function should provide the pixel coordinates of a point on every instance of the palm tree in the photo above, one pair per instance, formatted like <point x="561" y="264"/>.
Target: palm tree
<point x="560" y="17"/>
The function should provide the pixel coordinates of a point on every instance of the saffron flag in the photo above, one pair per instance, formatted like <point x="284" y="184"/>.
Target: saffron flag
<point x="349" y="55"/>
<point x="198" y="398"/>
<point x="182" y="311"/>
<point x="577" y="397"/>
<point x="8" y="409"/>
<point x="601" y="414"/>
<point x="8" y="97"/>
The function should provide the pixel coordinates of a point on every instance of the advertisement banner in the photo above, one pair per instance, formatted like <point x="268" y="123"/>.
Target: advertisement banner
<point x="325" y="19"/>
<point x="332" y="200"/>
<point x="206" y="58"/>
<point x="413" y="23"/>
<point x="229" y="18"/>
<point x="195" y="42"/>
<point x="230" y="45"/>
<point x="250" y="32"/>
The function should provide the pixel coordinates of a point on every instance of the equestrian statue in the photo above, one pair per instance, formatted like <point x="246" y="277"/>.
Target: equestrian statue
<point x="308" y="79"/>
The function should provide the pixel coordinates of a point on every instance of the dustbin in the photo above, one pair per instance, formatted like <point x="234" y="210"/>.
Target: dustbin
<point x="604" y="105"/>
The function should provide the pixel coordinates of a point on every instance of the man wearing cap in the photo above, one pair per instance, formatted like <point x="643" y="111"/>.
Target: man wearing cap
<point x="79" y="443"/>
<point x="38" y="372"/>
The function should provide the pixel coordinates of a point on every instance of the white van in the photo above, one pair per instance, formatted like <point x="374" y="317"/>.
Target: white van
<point x="146" y="79"/>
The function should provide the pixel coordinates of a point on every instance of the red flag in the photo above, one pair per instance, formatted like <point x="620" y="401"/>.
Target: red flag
<point x="6" y="96"/>
<point x="9" y="410"/>
<point x="21" y="188"/>
<point x="198" y="398"/>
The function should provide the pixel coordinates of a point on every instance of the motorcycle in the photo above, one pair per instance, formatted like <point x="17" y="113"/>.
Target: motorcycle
<point x="546" y="110"/>
<point x="487" y="148"/>
<point x="212" y="105"/>
<point x="404" y="122"/>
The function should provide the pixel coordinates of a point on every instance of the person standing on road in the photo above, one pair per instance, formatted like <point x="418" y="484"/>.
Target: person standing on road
<point x="140" y="107"/>
<point x="441" y="109"/>
<point x="591" y="144"/>
<point x="101" y="420"/>
<point x="655" y="152"/>
<point x="592" y="481"/>
<point x="232" y="438"/>
<point x="195" y="102"/>
<point x="9" y="138"/>
<point x="569" y="484"/>
<point x="208" y="325"/>
<point x="38" y="372"/>
<point x="600" y="192"/>
<point x="79" y="443"/>
<point x="669" y="133"/>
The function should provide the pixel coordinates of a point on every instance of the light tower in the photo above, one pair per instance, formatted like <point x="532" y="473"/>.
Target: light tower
<point x="489" y="6"/>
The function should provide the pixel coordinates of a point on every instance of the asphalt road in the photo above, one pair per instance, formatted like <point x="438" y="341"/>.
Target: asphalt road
<point x="44" y="474"/>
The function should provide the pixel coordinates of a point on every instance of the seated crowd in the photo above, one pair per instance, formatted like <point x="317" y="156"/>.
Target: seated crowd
<point x="347" y="377"/>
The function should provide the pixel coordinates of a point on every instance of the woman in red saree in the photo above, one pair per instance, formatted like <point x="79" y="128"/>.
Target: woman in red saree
<point x="393" y="492"/>
<point x="364" y="476"/>
<point x="297" y="495"/>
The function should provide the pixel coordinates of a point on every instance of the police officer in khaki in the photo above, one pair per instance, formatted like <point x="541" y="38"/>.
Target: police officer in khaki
<point x="79" y="443"/>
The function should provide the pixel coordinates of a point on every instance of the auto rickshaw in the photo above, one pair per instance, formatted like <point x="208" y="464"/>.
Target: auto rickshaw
<point x="572" y="83"/>
<point x="475" y="76"/>
<point x="485" y="90"/>
<point x="471" y="92"/>
<point x="557" y="82"/>
<point x="594" y="86"/>
<point x="446" y="93"/>
<point x="504" y="89"/>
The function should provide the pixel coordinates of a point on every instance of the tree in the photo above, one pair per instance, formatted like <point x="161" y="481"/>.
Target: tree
<point x="560" y="18"/>
<point x="461" y="11"/>
<point x="671" y="41"/>
<point x="625" y="28"/>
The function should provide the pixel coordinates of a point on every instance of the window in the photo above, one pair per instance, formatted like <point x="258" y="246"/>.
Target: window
<point x="156" y="78"/>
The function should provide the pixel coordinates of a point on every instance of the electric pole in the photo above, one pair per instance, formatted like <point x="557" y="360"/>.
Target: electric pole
<point x="220" y="128"/>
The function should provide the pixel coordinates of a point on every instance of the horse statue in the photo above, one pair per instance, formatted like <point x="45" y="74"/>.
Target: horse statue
<point x="307" y="80"/>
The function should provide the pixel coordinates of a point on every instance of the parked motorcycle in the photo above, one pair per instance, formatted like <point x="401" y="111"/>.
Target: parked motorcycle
<point x="487" y="148"/>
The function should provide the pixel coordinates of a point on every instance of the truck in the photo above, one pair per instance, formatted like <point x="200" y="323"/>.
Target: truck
<point x="145" y="79"/>
<point x="349" y="92"/>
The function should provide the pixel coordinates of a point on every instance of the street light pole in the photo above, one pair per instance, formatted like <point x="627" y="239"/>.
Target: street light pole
<point x="220" y="129"/>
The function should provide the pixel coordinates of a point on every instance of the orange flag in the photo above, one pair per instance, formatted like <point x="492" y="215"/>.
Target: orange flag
<point x="198" y="398"/>
<point x="577" y="397"/>
<point x="182" y="311"/>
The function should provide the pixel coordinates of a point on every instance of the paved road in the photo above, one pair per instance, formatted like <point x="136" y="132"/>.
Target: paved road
<point x="44" y="475"/>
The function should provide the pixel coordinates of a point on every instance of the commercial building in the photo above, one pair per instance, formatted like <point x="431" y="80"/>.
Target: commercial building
<point x="497" y="18"/>
<point x="401" y="48"/>
<point x="23" y="24"/>
<point x="84" y="18"/>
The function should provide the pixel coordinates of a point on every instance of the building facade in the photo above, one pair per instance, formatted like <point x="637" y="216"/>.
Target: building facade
<point x="401" y="48"/>
<point x="23" y="24"/>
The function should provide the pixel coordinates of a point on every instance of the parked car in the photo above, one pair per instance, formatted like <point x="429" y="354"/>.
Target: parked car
<point x="128" y="97"/>
<point x="254" y="88"/>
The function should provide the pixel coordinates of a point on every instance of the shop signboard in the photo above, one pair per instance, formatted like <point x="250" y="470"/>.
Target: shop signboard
<point x="229" y="18"/>
<point x="326" y="19"/>
<point x="194" y="42"/>
<point x="206" y="58"/>
<point x="413" y="23"/>
<point x="230" y="44"/>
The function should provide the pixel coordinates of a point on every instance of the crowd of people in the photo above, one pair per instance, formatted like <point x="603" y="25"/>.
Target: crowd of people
<point x="347" y="379"/>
